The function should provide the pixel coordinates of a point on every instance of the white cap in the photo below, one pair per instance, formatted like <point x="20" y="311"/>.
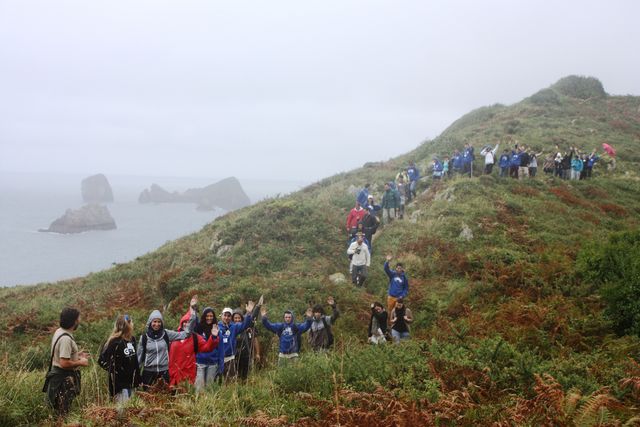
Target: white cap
<point x="227" y="310"/>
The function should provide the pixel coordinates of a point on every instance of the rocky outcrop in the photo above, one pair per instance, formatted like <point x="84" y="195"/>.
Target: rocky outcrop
<point x="227" y="194"/>
<point x="87" y="218"/>
<point x="96" y="189"/>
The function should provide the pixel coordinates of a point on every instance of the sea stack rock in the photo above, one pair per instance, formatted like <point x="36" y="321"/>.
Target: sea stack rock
<point x="87" y="218"/>
<point x="227" y="194"/>
<point x="96" y="189"/>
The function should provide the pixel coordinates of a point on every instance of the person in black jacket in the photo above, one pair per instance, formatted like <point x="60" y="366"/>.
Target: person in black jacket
<point x="378" y="324"/>
<point x="118" y="357"/>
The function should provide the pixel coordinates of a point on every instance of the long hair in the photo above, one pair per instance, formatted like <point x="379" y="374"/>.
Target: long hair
<point x="122" y="328"/>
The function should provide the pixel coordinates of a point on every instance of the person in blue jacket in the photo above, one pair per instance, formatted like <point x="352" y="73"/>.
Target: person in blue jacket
<point x="398" y="283"/>
<point x="588" y="166"/>
<point x="363" y="195"/>
<point x="514" y="162"/>
<point x="222" y="359"/>
<point x="414" y="176"/>
<point x="289" y="332"/>
<point x="437" y="168"/>
<point x="504" y="163"/>
<point x="467" y="159"/>
<point x="456" y="161"/>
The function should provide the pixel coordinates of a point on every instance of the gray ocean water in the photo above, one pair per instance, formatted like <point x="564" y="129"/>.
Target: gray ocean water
<point x="29" y="202"/>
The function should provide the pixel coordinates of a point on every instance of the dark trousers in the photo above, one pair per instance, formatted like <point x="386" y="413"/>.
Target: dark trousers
<point x="242" y="366"/>
<point x="533" y="171"/>
<point x="513" y="171"/>
<point x="149" y="378"/>
<point x="488" y="168"/>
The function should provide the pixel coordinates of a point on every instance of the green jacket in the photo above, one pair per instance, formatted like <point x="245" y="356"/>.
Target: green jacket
<point x="390" y="199"/>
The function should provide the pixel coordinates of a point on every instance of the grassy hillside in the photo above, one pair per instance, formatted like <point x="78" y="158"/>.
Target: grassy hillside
<point x="509" y="328"/>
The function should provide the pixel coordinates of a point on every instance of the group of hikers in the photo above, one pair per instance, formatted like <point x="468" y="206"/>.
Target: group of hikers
<point x="202" y="350"/>
<point x="520" y="162"/>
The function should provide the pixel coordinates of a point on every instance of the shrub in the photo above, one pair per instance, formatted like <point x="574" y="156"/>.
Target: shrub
<point x="615" y="268"/>
<point x="580" y="87"/>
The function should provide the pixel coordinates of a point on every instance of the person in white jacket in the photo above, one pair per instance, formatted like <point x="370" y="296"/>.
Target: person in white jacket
<point x="489" y="158"/>
<point x="360" y="260"/>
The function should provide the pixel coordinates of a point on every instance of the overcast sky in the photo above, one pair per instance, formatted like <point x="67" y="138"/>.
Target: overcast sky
<point x="279" y="89"/>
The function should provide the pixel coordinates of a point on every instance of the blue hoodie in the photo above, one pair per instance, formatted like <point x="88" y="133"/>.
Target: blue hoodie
<point x="398" y="283"/>
<point x="591" y="161"/>
<point x="414" y="173"/>
<point x="515" y="159"/>
<point x="504" y="161"/>
<point x="456" y="161"/>
<point x="288" y="333"/>
<point x="467" y="155"/>
<point x="227" y="346"/>
<point x="576" y="164"/>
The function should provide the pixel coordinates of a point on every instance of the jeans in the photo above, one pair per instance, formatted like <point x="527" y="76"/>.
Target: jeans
<point x="533" y="171"/>
<point x="397" y="336"/>
<point x="205" y="374"/>
<point x="575" y="175"/>
<point x="504" y="171"/>
<point x="358" y="270"/>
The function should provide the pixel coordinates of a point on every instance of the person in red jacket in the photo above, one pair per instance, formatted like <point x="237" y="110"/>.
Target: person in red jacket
<point x="182" y="353"/>
<point x="355" y="216"/>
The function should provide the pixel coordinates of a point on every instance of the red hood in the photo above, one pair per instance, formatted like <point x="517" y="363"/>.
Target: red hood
<point x="184" y="318"/>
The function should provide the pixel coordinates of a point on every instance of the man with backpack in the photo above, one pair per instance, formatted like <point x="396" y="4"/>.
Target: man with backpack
<point x="62" y="383"/>
<point x="289" y="334"/>
<point x="228" y="334"/>
<point x="321" y="334"/>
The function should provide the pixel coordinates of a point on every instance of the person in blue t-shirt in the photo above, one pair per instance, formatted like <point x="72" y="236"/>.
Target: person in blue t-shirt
<point x="414" y="176"/>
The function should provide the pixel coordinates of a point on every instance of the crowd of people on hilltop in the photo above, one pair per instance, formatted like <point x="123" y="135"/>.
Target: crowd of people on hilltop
<point x="201" y="351"/>
<point x="519" y="162"/>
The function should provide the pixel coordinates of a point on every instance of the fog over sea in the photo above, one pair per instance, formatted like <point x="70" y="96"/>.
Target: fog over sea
<point x="29" y="202"/>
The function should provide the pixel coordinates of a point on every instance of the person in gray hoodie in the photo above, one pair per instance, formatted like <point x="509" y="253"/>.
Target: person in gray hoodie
<point x="153" y="348"/>
<point x="320" y="334"/>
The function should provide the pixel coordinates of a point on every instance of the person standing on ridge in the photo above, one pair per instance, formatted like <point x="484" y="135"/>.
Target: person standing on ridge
<point x="363" y="195"/>
<point x="289" y="334"/>
<point x="414" y="176"/>
<point x="401" y="317"/>
<point x="355" y="216"/>
<point x="360" y="260"/>
<point x="320" y="333"/>
<point x="62" y="383"/>
<point x="208" y="366"/>
<point x="378" y="324"/>
<point x="118" y="357"/>
<point x="153" y="348"/>
<point x="489" y="158"/>
<point x="246" y="343"/>
<point x="504" y="163"/>
<point x="523" y="170"/>
<point x="467" y="159"/>
<point x="398" y="283"/>
<point x="228" y="333"/>
<point x="388" y="204"/>
<point x="183" y="353"/>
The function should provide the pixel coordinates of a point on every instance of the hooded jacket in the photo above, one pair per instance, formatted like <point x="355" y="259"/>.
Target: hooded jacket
<point x="119" y="359"/>
<point x="398" y="282"/>
<point x="157" y="353"/>
<point x="576" y="164"/>
<point x="362" y="196"/>
<point x="182" y="354"/>
<point x="354" y="217"/>
<point x="504" y="161"/>
<point x="288" y="333"/>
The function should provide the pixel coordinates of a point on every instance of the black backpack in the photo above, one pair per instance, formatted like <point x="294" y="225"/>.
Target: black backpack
<point x="330" y="338"/>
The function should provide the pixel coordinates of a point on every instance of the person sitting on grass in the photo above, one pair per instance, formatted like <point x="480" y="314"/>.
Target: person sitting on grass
<point x="289" y="334"/>
<point x="400" y="319"/>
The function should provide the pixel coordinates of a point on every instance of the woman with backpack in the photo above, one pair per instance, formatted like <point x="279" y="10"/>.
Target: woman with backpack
<point x="153" y="348"/>
<point x="118" y="358"/>
<point x="208" y="363"/>
<point x="182" y="353"/>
